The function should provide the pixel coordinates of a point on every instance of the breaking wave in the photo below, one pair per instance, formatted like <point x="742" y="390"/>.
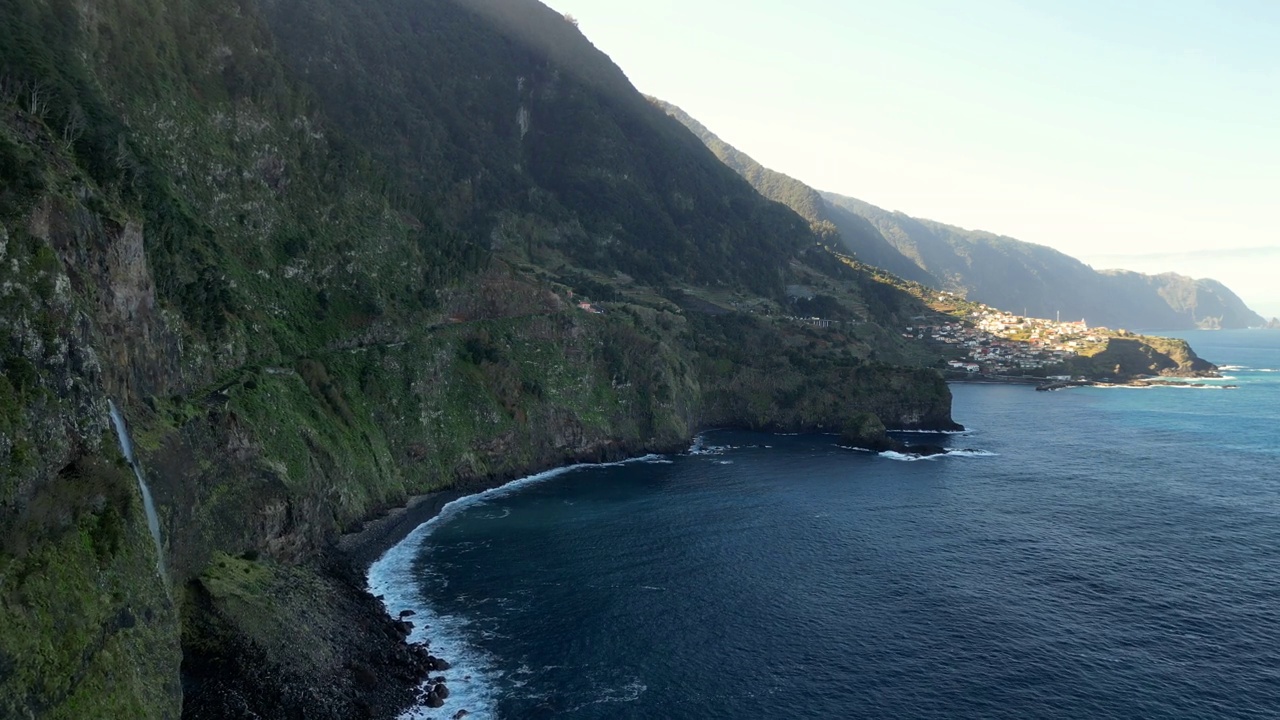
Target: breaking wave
<point x="914" y="457"/>
<point x="395" y="577"/>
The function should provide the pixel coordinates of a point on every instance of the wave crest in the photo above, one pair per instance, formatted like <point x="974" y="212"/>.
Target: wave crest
<point x="396" y="576"/>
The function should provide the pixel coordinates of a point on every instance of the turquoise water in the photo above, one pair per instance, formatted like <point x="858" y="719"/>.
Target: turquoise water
<point x="1109" y="553"/>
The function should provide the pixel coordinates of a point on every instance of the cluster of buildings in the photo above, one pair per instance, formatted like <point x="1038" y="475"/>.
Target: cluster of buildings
<point x="996" y="342"/>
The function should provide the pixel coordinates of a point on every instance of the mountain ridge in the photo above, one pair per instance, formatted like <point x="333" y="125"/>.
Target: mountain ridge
<point x="987" y="267"/>
<point x="1062" y="284"/>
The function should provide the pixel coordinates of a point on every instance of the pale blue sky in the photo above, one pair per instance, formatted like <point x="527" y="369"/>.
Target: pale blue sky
<point x="1128" y="134"/>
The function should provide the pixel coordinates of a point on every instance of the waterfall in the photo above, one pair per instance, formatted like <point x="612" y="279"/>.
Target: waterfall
<point x="148" y="504"/>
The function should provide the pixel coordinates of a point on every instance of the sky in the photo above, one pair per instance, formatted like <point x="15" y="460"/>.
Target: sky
<point x="1127" y="133"/>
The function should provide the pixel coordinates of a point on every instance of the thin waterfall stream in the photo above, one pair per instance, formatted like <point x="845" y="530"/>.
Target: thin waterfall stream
<point x="148" y="503"/>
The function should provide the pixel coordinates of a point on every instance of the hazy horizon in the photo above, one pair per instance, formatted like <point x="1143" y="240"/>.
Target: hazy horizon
<point x="1136" y="137"/>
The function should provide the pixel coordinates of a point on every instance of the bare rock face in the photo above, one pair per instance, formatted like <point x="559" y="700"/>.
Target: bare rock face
<point x="135" y="348"/>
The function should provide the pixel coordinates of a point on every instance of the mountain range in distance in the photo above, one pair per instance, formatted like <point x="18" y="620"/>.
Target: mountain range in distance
<point x="985" y="267"/>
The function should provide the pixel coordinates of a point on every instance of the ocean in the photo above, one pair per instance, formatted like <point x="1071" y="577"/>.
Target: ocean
<point x="1098" y="552"/>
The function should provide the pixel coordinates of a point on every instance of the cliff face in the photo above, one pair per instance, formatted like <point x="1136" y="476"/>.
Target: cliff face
<point x="325" y="257"/>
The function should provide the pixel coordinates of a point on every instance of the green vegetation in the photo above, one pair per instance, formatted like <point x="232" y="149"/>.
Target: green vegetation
<point x="87" y="624"/>
<point x="1125" y="356"/>
<point x="326" y="256"/>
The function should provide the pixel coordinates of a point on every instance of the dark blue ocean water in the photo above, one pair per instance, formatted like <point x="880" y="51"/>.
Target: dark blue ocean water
<point x="1108" y="553"/>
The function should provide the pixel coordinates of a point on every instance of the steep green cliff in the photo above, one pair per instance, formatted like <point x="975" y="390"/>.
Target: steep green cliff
<point x="328" y="256"/>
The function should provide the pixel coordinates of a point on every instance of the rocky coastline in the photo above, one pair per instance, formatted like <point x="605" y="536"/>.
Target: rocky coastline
<point x="1166" y="379"/>
<point x="413" y="665"/>
<point x="1136" y="383"/>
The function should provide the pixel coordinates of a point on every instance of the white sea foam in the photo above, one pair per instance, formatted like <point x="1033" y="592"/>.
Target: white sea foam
<point x="700" y="447"/>
<point x="1184" y="384"/>
<point x="906" y="457"/>
<point x="966" y="431"/>
<point x="972" y="453"/>
<point x="473" y="675"/>
<point x="959" y="453"/>
<point x="626" y="693"/>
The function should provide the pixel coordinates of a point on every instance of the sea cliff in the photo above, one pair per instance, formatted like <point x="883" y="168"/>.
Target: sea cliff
<point x="325" y="258"/>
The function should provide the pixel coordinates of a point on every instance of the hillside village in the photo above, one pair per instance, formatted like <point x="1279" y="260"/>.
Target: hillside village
<point x="995" y="342"/>
<point x="977" y="339"/>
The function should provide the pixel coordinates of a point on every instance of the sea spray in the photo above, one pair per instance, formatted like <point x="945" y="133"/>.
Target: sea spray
<point x="148" y="503"/>
<point x="916" y="457"/>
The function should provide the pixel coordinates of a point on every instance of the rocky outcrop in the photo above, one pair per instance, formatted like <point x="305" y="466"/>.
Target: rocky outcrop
<point x="1135" y="356"/>
<point x="867" y="432"/>
<point x="263" y="639"/>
